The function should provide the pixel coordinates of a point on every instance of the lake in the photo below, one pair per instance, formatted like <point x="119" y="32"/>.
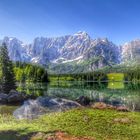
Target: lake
<point x="114" y="93"/>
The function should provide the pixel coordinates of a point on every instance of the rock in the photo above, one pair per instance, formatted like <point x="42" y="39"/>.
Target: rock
<point x="29" y="110"/>
<point x="83" y="100"/>
<point x="57" y="136"/>
<point x="34" y="108"/>
<point x="38" y="136"/>
<point x="15" y="96"/>
<point x="13" y="92"/>
<point x="111" y="107"/>
<point x="100" y="105"/>
<point x="122" y="108"/>
<point x="86" y="119"/>
<point x="122" y="120"/>
<point x="65" y="136"/>
<point x="3" y="98"/>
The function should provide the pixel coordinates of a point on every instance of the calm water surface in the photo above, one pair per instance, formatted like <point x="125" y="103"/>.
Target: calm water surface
<point x="114" y="93"/>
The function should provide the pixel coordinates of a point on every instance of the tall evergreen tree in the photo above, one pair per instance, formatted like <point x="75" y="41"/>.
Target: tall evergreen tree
<point x="8" y="80"/>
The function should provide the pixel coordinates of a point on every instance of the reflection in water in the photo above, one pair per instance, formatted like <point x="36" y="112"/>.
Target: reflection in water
<point x="36" y="89"/>
<point x="116" y="85"/>
<point x="114" y="93"/>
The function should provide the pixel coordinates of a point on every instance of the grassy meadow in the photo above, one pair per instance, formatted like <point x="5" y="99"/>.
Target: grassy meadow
<point x="83" y="122"/>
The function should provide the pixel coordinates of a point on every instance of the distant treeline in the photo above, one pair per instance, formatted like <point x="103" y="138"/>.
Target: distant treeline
<point x="92" y="76"/>
<point x="28" y="72"/>
<point x="34" y="73"/>
<point x="130" y="73"/>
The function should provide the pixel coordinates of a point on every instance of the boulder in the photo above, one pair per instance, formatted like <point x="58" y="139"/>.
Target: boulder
<point x="34" y="108"/>
<point x="123" y="109"/>
<point x="15" y="97"/>
<point x="3" y="98"/>
<point x="83" y="100"/>
<point x="13" y="92"/>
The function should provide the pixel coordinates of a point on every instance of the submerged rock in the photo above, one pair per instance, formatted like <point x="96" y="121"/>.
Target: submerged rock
<point x="34" y="108"/>
<point x="83" y="100"/>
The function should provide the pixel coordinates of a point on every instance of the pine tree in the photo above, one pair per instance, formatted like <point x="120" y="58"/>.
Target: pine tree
<point x="7" y="73"/>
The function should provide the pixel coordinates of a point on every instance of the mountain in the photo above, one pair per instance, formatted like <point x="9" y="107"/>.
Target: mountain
<point x="66" y="54"/>
<point x="17" y="50"/>
<point x="131" y="51"/>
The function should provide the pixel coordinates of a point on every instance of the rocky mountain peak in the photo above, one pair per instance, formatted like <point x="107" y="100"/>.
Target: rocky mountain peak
<point x="73" y="49"/>
<point x="131" y="51"/>
<point x="83" y="33"/>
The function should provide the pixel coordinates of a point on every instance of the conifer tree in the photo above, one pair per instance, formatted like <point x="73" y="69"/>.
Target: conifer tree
<point x="7" y="73"/>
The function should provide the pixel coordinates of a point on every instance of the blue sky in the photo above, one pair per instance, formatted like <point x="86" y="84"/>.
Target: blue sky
<point x="118" y="20"/>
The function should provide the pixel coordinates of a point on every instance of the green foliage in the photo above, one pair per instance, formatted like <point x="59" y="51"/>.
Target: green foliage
<point x="91" y="76"/>
<point x="29" y="72"/>
<point x="119" y="72"/>
<point x="73" y="67"/>
<point x="131" y="72"/>
<point x="8" y="81"/>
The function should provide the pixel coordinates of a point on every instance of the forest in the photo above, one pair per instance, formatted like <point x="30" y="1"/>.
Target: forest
<point x="130" y="73"/>
<point x="26" y="72"/>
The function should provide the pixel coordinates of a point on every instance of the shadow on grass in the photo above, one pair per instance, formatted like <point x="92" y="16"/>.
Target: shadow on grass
<point x="12" y="135"/>
<point x="18" y="135"/>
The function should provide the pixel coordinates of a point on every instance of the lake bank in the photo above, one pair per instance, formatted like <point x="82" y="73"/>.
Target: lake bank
<point x="82" y="122"/>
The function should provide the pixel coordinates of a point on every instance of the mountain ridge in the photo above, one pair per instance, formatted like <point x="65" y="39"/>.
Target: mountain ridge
<point x="76" y="49"/>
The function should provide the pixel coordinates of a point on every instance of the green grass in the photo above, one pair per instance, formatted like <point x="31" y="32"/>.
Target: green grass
<point x="62" y="78"/>
<point x="115" y="76"/>
<point x="98" y="124"/>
